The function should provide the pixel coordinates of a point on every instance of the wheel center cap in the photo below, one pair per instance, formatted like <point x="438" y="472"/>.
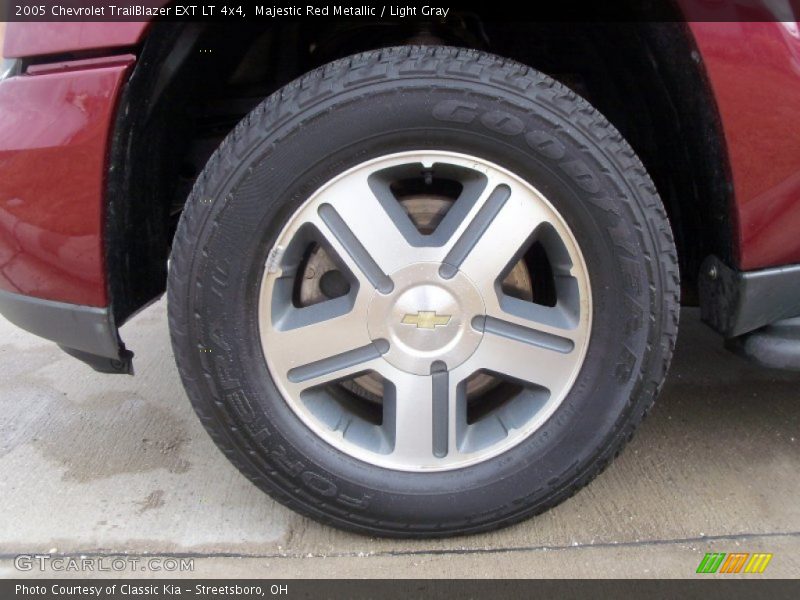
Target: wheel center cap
<point x="426" y="319"/>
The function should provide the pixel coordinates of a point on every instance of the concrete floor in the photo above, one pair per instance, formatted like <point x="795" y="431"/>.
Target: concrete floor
<point x="101" y="465"/>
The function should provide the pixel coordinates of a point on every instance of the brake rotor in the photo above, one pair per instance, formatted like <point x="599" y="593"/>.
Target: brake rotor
<point x="321" y="280"/>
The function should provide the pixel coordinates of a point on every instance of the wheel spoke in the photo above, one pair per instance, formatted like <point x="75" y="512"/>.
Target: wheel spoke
<point x="417" y="415"/>
<point x="361" y="231"/>
<point x="408" y="414"/>
<point x="526" y="335"/>
<point x="524" y="353"/>
<point x="323" y="350"/>
<point x="424" y="413"/>
<point x="338" y="363"/>
<point x="497" y="233"/>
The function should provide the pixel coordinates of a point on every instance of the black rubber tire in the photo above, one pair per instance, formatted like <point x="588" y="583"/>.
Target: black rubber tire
<point x="387" y="101"/>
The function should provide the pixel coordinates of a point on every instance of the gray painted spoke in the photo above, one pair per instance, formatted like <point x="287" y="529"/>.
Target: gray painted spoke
<point x="515" y="356"/>
<point x="441" y="410"/>
<point x="420" y="414"/>
<point x="361" y="229"/>
<point x="355" y="249"/>
<point x="476" y="228"/>
<point x="318" y="349"/>
<point x="526" y="335"/>
<point x="338" y="362"/>
<point x="494" y="242"/>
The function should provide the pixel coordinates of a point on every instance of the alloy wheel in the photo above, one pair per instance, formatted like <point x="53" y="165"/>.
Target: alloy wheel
<point x="381" y="362"/>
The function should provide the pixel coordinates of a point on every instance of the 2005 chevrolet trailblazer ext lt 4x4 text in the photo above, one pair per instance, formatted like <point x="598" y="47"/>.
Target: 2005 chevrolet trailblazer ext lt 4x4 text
<point x="422" y="276"/>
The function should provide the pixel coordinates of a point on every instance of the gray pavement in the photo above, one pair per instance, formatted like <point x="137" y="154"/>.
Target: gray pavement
<point x="100" y="465"/>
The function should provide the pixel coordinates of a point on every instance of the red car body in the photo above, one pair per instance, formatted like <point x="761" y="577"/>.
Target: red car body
<point x="56" y="123"/>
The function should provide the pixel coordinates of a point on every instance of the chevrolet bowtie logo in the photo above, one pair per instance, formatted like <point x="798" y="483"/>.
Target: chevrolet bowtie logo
<point x="426" y="319"/>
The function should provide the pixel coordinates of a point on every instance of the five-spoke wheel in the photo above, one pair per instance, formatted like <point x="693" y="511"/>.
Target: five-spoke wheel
<point x="420" y="313"/>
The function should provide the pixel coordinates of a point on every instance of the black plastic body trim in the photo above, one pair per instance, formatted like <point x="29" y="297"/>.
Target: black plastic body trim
<point x="86" y="332"/>
<point x="736" y="302"/>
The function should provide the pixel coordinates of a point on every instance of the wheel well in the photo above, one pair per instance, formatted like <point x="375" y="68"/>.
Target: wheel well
<point x="193" y="83"/>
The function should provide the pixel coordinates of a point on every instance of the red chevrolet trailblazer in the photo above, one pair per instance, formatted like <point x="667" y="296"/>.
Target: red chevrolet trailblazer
<point x="423" y="277"/>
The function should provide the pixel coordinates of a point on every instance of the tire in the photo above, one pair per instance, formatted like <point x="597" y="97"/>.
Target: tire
<point x="605" y="234"/>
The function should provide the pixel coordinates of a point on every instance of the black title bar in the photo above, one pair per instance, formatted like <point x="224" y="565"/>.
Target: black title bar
<point x="435" y="10"/>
